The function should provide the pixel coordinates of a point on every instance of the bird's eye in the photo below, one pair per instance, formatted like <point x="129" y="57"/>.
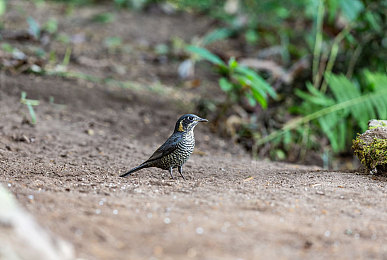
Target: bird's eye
<point x="190" y="118"/>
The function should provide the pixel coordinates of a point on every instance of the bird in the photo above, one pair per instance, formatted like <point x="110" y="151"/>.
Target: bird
<point x="176" y="150"/>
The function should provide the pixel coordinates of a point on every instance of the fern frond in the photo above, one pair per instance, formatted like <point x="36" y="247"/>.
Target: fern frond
<point x="349" y="101"/>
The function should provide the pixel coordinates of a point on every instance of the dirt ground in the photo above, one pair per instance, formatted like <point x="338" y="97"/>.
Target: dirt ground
<point x="64" y="170"/>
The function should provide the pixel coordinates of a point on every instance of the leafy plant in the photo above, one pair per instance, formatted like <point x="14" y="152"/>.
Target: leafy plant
<point x="134" y="4"/>
<point x="30" y="103"/>
<point x="347" y="108"/>
<point x="3" y="7"/>
<point x="113" y="43"/>
<point x="216" y="35"/>
<point x="337" y="106"/>
<point x="105" y="17"/>
<point x="51" y="26"/>
<point x="34" y="27"/>
<point x="237" y="81"/>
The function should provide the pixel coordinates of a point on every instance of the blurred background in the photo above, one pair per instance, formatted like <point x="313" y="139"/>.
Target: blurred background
<point x="290" y="81"/>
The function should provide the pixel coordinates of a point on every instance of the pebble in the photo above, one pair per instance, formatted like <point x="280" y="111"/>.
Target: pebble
<point x="199" y="230"/>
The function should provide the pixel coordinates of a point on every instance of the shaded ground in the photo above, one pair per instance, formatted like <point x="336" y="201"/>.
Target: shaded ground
<point x="64" y="171"/>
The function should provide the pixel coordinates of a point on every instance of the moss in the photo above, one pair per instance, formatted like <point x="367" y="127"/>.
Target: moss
<point x="377" y="123"/>
<point x="371" y="153"/>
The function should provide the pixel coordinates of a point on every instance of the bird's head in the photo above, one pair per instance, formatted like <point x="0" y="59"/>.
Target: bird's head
<point x="187" y="122"/>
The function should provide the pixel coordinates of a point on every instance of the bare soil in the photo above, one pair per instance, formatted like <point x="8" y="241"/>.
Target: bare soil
<point x="64" y="170"/>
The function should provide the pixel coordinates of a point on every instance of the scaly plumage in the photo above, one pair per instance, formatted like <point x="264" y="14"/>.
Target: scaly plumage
<point x="176" y="150"/>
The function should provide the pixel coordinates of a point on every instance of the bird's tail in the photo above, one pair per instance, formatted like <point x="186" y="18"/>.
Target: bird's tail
<point x="141" y="166"/>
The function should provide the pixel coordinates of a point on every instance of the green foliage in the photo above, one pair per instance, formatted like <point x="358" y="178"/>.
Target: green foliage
<point x="162" y="49"/>
<point x="34" y="27"/>
<point x="3" y="7"/>
<point x="63" y="38"/>
<point x="338" y="115"/>
<point x="113" y="43"/>
<point x="105" y="17"/>
<point x="30" y="103"/>
<point x="7" y="47"/>
<point x="338" y="106"/>
<point x="351" y="8"/>
<point x="216" y="35"/>
<point x="76" y="2"/>
<point x="206" y="54"/>
<point x="134" y="4"/>
<point x="237" y="81"/>
<point x="51" y="26"/>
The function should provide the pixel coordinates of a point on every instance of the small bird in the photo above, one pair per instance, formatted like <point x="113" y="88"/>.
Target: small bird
<point x="176" y="150"/>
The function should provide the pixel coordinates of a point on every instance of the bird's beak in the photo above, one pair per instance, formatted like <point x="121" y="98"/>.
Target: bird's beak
<point x="201" y="119"/>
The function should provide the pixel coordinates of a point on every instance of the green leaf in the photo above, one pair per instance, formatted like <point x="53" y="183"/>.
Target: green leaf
<point x="351" y="8"/>
<point x="205" y="54"/>
<point x="378" y="82"/>
<point x="332" y="9"/>
<point x="120" y="2"/>
<point x="251" y="36"/>
<point x="29" y="103"/>
<point x="225" y="85"/>
<point x="327" y="124"/>
<point x="279" y="154"/>
<point x="113" y="42"/>
<point x="260" y="98"/>
<point x="23" y="95"/>
<point x="288" y="138"/>
<point x="374" y="20"/>
<point x="232" y="63"/>
<point x="342" y="136"/>
<point x="32" y="113"/>
<point x="315" y="96"/>
<point x="7" y="47"/>
<point x="251" y="99"/>
<point x="103" y="18"/>
<point x="51" y="26"/>
<point x="3" y="7"/>
<point x="34" y="27"/>
<point x="216" y="35"/>
<point x="256" y="80"/>
<point x="345" y="90"/>
<point x="66" y="58"/>
<point x="161" y="49"/>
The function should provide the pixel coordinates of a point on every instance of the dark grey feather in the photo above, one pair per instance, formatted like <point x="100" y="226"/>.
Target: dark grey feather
<point x="168" y="147"/>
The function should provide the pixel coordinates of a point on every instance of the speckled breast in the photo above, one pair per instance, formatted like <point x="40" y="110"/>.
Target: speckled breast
<point x="180" y="155"/>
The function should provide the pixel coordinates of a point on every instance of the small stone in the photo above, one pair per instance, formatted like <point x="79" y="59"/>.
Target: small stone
<point x="199" y="230"/>
<point x="90" y="132"/>
<point x="371" y="147"/>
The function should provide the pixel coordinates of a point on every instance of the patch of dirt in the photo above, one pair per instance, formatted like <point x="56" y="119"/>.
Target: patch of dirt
<point x="64" y="170"/>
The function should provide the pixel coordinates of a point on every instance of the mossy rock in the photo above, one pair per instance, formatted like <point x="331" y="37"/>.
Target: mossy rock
<point x="371" y="147"/>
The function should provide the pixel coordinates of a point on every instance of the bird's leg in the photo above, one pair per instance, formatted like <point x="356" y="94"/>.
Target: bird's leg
<point x="170" y="172"/>
<point x="180" y="168"/>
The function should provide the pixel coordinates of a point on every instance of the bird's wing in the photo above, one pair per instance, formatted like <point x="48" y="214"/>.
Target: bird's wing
<point x="168" y="147"/>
